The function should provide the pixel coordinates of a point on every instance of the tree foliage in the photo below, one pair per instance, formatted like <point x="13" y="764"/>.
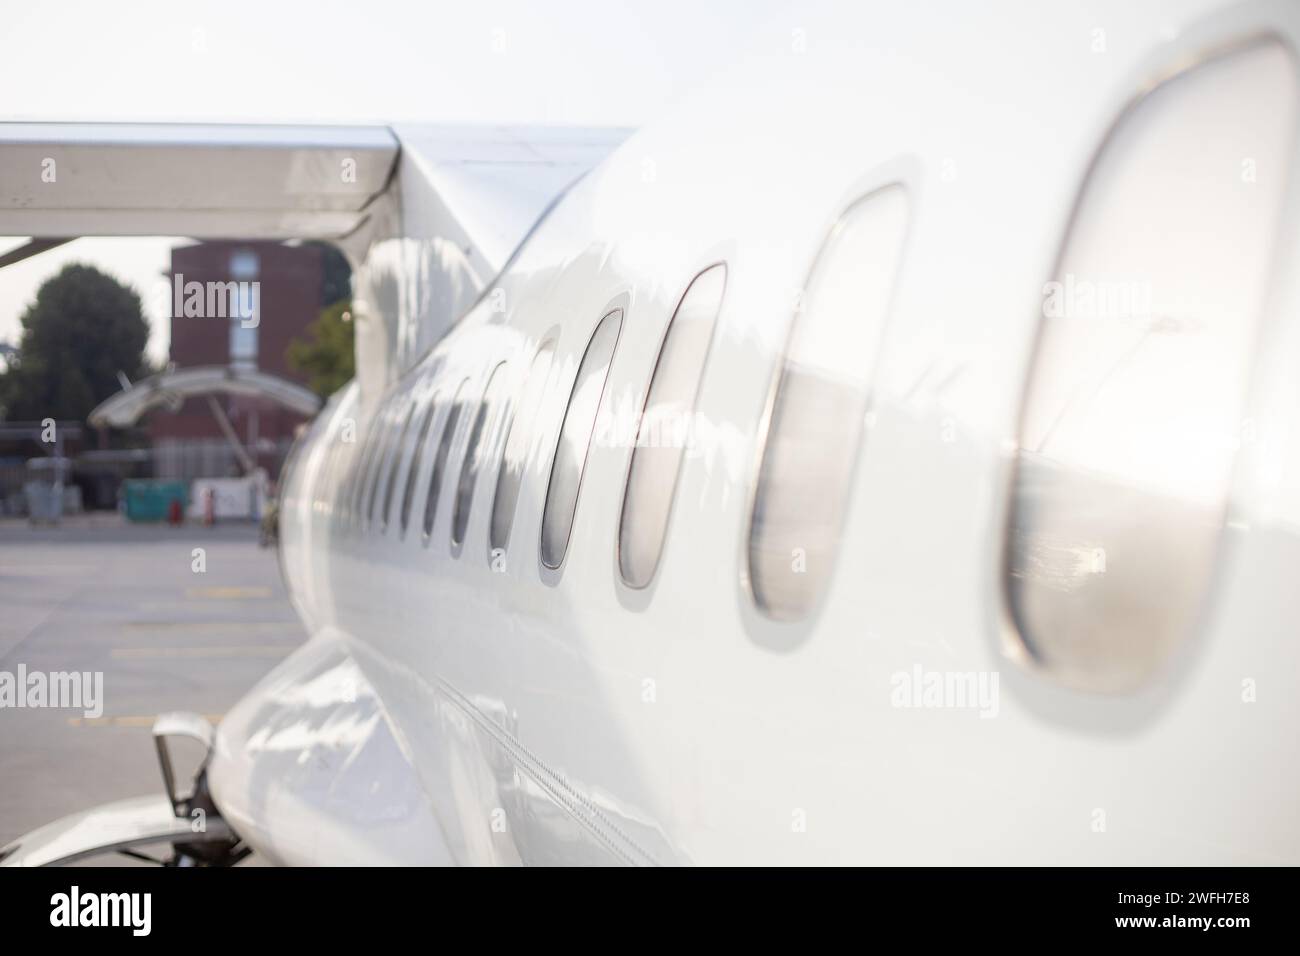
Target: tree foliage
<point x="324" y="354"/>
<point x="82" y="329"/>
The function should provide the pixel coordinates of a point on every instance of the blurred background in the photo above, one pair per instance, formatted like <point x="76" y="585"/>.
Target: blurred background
<point x="82" y="320"/>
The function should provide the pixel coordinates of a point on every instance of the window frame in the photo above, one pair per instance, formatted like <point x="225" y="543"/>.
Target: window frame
<point x="474" y="457"/>
<point x="364" y="464"/>
<point x="547" y="346"/>
<point x="649" y="582"/>
<point x="399" y="456"/>
<point x="433" y="406"/>
<point x="443" y="450"/>
<point x="382" y="453"/>
<point x="773" y="630"/>
<point x="616" y="311"/>
<point x="1018" y="637"/>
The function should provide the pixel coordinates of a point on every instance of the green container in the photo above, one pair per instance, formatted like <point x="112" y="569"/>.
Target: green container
<point x="148" y="500"/>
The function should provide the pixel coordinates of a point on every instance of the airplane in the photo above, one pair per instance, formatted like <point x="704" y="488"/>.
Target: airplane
<point x="889" y="458"/>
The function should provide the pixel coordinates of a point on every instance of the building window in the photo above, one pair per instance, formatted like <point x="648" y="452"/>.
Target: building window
<point x="244" y="265"/>
<point x="575" y="440"/>
<point x="244" y="320"/>
<point x="819" y="404"/>
<point x="243" y="344"/>
<point x="665" y="428"/>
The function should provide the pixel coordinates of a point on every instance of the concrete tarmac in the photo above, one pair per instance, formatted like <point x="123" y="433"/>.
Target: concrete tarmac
<point x="168" y="628"/>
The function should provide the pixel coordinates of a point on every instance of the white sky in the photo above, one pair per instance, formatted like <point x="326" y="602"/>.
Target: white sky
<point x="572" y="62"/>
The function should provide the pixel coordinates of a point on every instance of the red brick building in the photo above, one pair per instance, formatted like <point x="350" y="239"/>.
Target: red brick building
<point x="290" y="279"/>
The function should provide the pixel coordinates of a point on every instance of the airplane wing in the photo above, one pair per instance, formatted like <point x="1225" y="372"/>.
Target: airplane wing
<point x="459" y="199"/>
<point x="247" y="182"/>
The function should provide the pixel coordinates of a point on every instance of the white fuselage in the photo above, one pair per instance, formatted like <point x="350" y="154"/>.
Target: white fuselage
<point x="561" y="716"/>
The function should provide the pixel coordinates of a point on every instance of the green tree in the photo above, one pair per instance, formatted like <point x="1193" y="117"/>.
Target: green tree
<point x="83" y="328"/>
<point x="324" y="354"/>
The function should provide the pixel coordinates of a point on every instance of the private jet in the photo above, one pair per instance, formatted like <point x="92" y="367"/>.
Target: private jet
<point x="892" y="457"/>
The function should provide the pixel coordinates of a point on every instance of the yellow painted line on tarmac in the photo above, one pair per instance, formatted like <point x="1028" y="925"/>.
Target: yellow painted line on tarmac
<point x="138" y="720"/>
<point x="47" y="568"/>
<point x="182" y="606"/>
<point x="233" y="650"/>
<point x="227" y="625"/>
<point x="229" y="593"/>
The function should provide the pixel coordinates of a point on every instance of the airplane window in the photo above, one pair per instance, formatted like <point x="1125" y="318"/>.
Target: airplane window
<point x="520" y="441"/>
<point x="383" y="449"/>
<point x="352" y="479"/>
<point x="330" y="471"/>
<point x="365" y="464"/>
<point x="347" y="458"/>
<point x="322" y="467"/>
<point x="398" y="454"/>
<point x="345" y="482"/>
<point x="575" y="440"/>
<point x="417" y="459"/>
<point x="1134" y="403"/>
<point x="817" y="410"/>
<point x="330" y="492"/>
<point x="665" y="428"/>
<point x="440" y="458"/>
<point x="476" y="451"/>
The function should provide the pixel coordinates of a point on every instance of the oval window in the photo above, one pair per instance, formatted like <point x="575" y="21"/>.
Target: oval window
<point x="1138" y="382"/>
<point x="520" y="441"/>
<point x="398" y="456"/>
<point x="383" y="458"/>
<point x="417" y="459"/>
<point x="665" y="428"/>
<point x="440" y="459"/>
<point x="575" y="440"/>
<point x="819" y="405"/>
<point x="476" y="451"/>
<point x="367" y="466"/>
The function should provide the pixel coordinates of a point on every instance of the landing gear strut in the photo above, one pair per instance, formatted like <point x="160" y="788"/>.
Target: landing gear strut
<point x="189" y="825"/>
